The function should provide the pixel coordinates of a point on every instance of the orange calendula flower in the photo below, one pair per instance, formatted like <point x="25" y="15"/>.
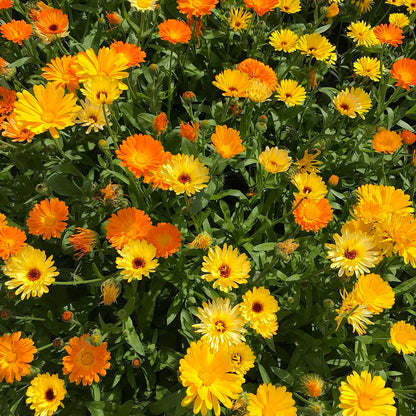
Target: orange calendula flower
<point x="126" y="225"/>
<point x="12" y="239"/>
<point x="85" y="362"/>
<point x="353" y="101"/>
<point x="140" y="154"/>
<point x="154" y="176"/>
<point x="233" y="82"/>
<point x="134" y="54"/>
<point x="257" y="69"/>
<point x="51" y="24"/>
<point x="227" y="142"/>
<point x="16" y="131"/>
<point x="175" y="31"/>
<point x="113" y="18"/>
<point x="404" y="72"/>
<point x="62" y="72"/>
<point x="189" y="131"/>
<point x="83" y="242"/>
<point x="48" y="218"/>
<point x="261" y="6"/>
<point x="16" y="31"/>
<point x="7" y="100"/>
<point x="159" y="123"/>
<point x="6" y="4"/>
<point x="312" y="215"/>
<point x="390" y="34"/>
<point x="196" y="7"/>
<point x="407" y="137"/>
<point x="312" y="385"/>
<point x="386" y="141"/>
<point x="166" y="238"/>
<point x="15" y="355"/>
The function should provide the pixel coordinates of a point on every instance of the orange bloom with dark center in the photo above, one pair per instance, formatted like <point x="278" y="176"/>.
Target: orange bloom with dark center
<point x="12" y="240"/>
<point x="261" y="6"/>
<point x="6" y="4"/>
<point x="227" y="142"/>
<point x="140" y="154"/>
<point x="174" y="31"/>
<point x="166" y="238"/>
<point x="83" y="242"/>
<point x="404" y="72"/>
<point x="15" y="355"/>
<point x="48" y="218"/>
<point x="134" y="54"/>
<point x="7" y="99"/>
<point x="17" y="132"/>
<point x="189" y="131"/>
<point x="127" y="224"/>
<point x="62" y="72"/>
<point x="159" y="123"/>
<point x="407" y="137"/>
<point x="52" y="22"/>
<point x="155" y="178"/>
<point x="16" y="31"/>
<point x="386" y="141"/>
<point x="389" y="34"/>
<point x="85" y="362"/>
<point x="260" y="71"/>
<point x="196" y="7"/>
<point x="312" y="215"/>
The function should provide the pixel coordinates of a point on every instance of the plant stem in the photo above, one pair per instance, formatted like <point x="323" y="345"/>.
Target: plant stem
<point x="170" y="92"/>
<point x="188" y="206"/>
<point x="75" y="283"/>
<point x="107" y="122"/>
<point x="45" y="347"/>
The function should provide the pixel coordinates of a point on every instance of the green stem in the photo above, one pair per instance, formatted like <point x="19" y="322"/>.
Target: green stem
<point x="45" y="347"/>
<point x="29" y="318"/>
<point x="188" y="206"/>
<point x="170" y="91"/>
<point x="75" y="283"/>
<point x="107" y="122"/>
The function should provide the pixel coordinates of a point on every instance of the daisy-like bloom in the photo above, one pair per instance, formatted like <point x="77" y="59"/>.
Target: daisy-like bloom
<point x="258" y="70"/>
<point x="289" y="6"/>
<point x="367" y="67"/>
<point x="309" y="186"/>
<point x="404" y="72"/>
<point x="399" y="19"/>
<point x="50" y="109"/>
<point x="353" y="252"/>
<point x="233" y="82"/>
<point x="407" y="137"/>
<point x="137" y="259"/>
<point x="355" y="312"/>
<point x="389" y="34"/>
<point x="51" y="24"/>
<point x="101" y="90"/>
<point x="189" y="131"/>
<point x="258" y="91"/>
<point x="110" y="290"/>
<point x="92" y="116"/>
<point x="362" y="34"/>
<point x="386" y="141"/>
<point x="184" y="173"/>
<point x="221" y="325"/>
<point x="290" y="92"/>
<point x="261" y="6"/>
<point x="242" y="358"/>
<point x="61" y="72"/>
<point x="226" y="267"/>
<point x="159" y="123"/>
<point x="201" y="241"/>
<point x="274" y="160"/>
<point x="308" y="163"/>
<point x="6" y="4"/>
<point x="16" y="131"/>
<point x="284" y="40"/>
<point x="375" y="293"/>
<point x="48" y="218"/>
<point x="127" y="224"/>
<point x="83" y="242"/>
<point x="312" y="385"/>
<point x="141" y="153"/>
<point x="364" y="5"/>
<point x="270" y="400"/>
<point x="143" y="5"/>
<point x="362" y="394"/>
<point x="155" y="177"/>
<point x="239" y="19"/>
<point x="133" y="53"/>
<point x="15" y="355"/>
<point x="16" y="31"/>
<point x="30" y="271"/>
<point x="403" y="337"/>
<point x="353" y="101"/>
<point x="166" y="238"/>
<point x="227" y="142"/>
<point x="45" y="394"/>
<point x="12" y="240"/>
<point x="196" y="7"/>
<point x="410" y="4"/>
<point x="312" y="215"/>
<point x="266" y="328"/>
<point x="208" y="378"/>
<point x="85" y="362"/>
<point x="175" y="31"/>
<point x="315" y="45"/>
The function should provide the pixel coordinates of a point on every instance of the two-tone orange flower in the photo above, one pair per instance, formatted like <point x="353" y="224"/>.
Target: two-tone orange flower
<point x="227" y="142"/>
<point x="16" y="31"/>
<point x="62" y="72"/>
<point x="166" y="238"/>
<point x="389" y="34"/>
<point x="133" y="53"/>
<point x="83" y="241"/>
<point x="174" y="31"/>
<point x="196" y="7"/>
<point x="404" y="72"/>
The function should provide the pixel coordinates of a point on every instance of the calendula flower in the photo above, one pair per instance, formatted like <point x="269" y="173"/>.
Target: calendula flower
<point x="312" y="385"/>
<point x="315" y="45"/>
<point x="289" y="6"/>
<point x="196" y="7"/>
<point x="258" y="70"/>
<point x="271" y="400"/>
<point x="226" y="267"/>
<point x="242" y="358"/>
<point x="110" y="290"/>
<point x="7" y="101"/>
<point x="85" y="362"/>
<point x="386" y="141"/>
<point x="265" y="328"/>
<point x="290" y="92"/>
<point x="333" y="180"/>
<point x="258" y="91"/>
<point x="403" y="337"/>
<point x="389" y="34"/>
<point x="92" y="116"/>
<point x="284" y="40"/>
<point x="362" y="34"/>
<point x="45" y="394"/>
<point x="16" y="131"/>
<point x="362" y="394"/>
<point x="166" y="238"/>
<point x="312" y="215"/>
<point x="410" y="4"/>
<point x="155" y="177"/>
<point x="15" y="355"/>
<point x="101" y="90"/>
<point x="261" y="6"/>
<point x="133" y="53"/>
<point x="6" y="4"/>
<point x="51" y="24"/>
<point x="274" y="160"/>
<point x="332" y="10"/>
<point x="221" y="325"/>
<point x="189" y="131"/>
<point x="233" y="82"/>
<point x="16" y="31"/>
<point x="83" y="241"/>
<point x="48" y="218"/>
<point x="30" y="271"/>
<point x="367" y="67"/>
<point x="174" y="31"/>
<point x="308" y="163"/>
<point x="113" y="19"/>
<point x="12" y="240"/>
<point x="208" y="378"/>
<point x="227" y="142"/>
<point x="364" y="5"/>
<point x="407" y="137"/>
<point x="353" y="101"/>
<point x="159" y="123"/>
<point x="399" y="19"/>
<point x="309" y="186"/>
<point x="143" y="5"/>
<point x="137" y="259"/>
<point x="111" y="192"/>
<point x="239" y="19"/>
<point x="61" y="72"/>
<point x="201" y="241"/>
<point x="404" y="72"/>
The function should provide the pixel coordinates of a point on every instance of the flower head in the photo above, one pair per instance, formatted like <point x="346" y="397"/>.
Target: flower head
<point x="159" y="123"/>
<point x="242" y="358"/>
<point x="110" y="290"/>
<point x="16" y="131"/>
<point x="258" y="70"/>
<point x="101" y="90"/>
<point x="404" y="72"/>
<point x="133" y="53"/>
<point x="166" y="238"/>
<point x="227" y="142"/>
<point x="5" y="4"/>
<point x="403" y="337"/>
<point x="368" y="67"/>
<point x="389" y="34"/>
<point x="51" y="24"/>
<point x="83" y="242"/>
<point x="16" y="31"/>
<point x="61" y="72"/>
<point x="239" y="19"/>
<point x="175" y="31"/>
<point x="143" y="5"/>
<point x="308" y="163"/>
<point x="316" y="45"/>
<point x="12" y="240"/>
<point x="312" y="385"/>
<point x="201" y="241"/>
<point x="399" y="19"/>
<point x="284" y="40"/>
<point x="196" y="7"/>
<point x="352" y="101"/>
<point x="289" y="6"/>
<point x="233" y="82"/>
<point x="362" y="33"/>
<point x="386" y="141"/>
<point x="312" y="215"/>
<point x="309" y="186"/>
<point x="92" y="116"/>
<point x="408" y="137"/>
<point x="189" y="131"/>
<point x="290" y="92"/>
<point x="261" y="6"/>
<point x="274" y="160"/>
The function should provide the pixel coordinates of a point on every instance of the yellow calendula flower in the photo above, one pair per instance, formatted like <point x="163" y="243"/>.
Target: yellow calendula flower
<point x="242" y="358"/>
<point x="316" y="46"/>
<point x="201" y="241"/>
<point x="233" y="82"/>
<point x="362" y="34"/>
<point x="275" y="160"/>
<point x="353" y="101"/>
<point x="290" y="92"/>
<point x="239" y="19"/>
<point x="110" y="290"/>
<point x="310" y="186"/>
<point x="101" y="90"/>
<point x="368" y="67"/>
<point x="289" y="6"/>
<point x="258" y="91"/>
<point x="399" y="19"/>
<point x="284" y="40"/>
<point x="403" y="337"/>
<point x="364" y="5"/>
<point x="92" y="116"/>
<point x="308" y="163"/>
<point x="143" y="5"/>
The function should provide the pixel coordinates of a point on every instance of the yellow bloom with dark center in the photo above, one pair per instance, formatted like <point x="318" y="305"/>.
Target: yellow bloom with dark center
<point x="284" y="40"/>
<point x="101" y="90"/>
<point x="30" y="271"/>
<point x="226" y="267"/>
<point x="208" y="379"/>
<point x="316" y="45"/>
<point x="403" y="337"/>
<point x="289" y="6"/>
<point x="399" y="19"/>
<point x="410" y="4"/>
<point x="227" y="142"/>
<point x="309" y="186"/>
<point x="275" y="160"/>
<point x="362" y="34"/>
<point x="242" y="358"/>
<point x="233" y="82"/>
<point x="368" y="67"/>
<point x="184" y="173"/>
<point x="137" y="259"/>
<point x="365" y="395"/>
<point x="353" y="101"/>
<point x="92" y="116"/>
<point x="308" y="163"/>
<point x="50" y="109"/>
<point x="45" y="394"/>
<point x="239" y="19"/>
<point x="290" y="92"/>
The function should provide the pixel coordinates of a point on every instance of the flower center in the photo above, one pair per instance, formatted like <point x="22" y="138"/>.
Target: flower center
<point x="93" y="118"/>
<point x="87" y="358"/>
<point x="345" y="106"/>
<point x="53" y="28"/>
<point x="307" y="190"/>
<point x="236" y="358"/>
<point x="184" y="178"/>
<point x="232" y="89"/>
<point x="33" y="275"/>
<point x="101" y="95"/>
<point x="257" y="307"/>
<point x="224" y="270"/>
<point x="49" y="395"/>
<point x="220" y="326"/>
<point x="207" y="377"/>
<point x="49" y="221"/>
<point x="350" y="255"/>
<point x="47" y="116"/>
<point x="138" y="263"/>
<point x="364" y="402"/>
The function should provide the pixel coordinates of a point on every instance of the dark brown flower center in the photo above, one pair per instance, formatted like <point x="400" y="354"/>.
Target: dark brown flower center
<point x="345" y="107"/>
<point x="232" y="89"/>
<point x="138" y="262"/>
<point x="257" y="307"/>
<point x="53" y="27"/>
<point x="49" y="395"/>
<point x="236" y="358"/>
<point x="101" y="93"/>
<point x="224" y="270"/>
<point x="93" y="118"/>
<point x="350" y="255"/>
<point x="307" y="190"/>
<point x="220" y="326"/>
<point x="184" y="178"/>
<point x="33" y="275"/>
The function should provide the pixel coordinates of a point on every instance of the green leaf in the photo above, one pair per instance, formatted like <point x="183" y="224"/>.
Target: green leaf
<point x="166" y="403"/>
<point x="405" y="286"/>
<point x="132" y="338"/>
<point x="62" y="186"/>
